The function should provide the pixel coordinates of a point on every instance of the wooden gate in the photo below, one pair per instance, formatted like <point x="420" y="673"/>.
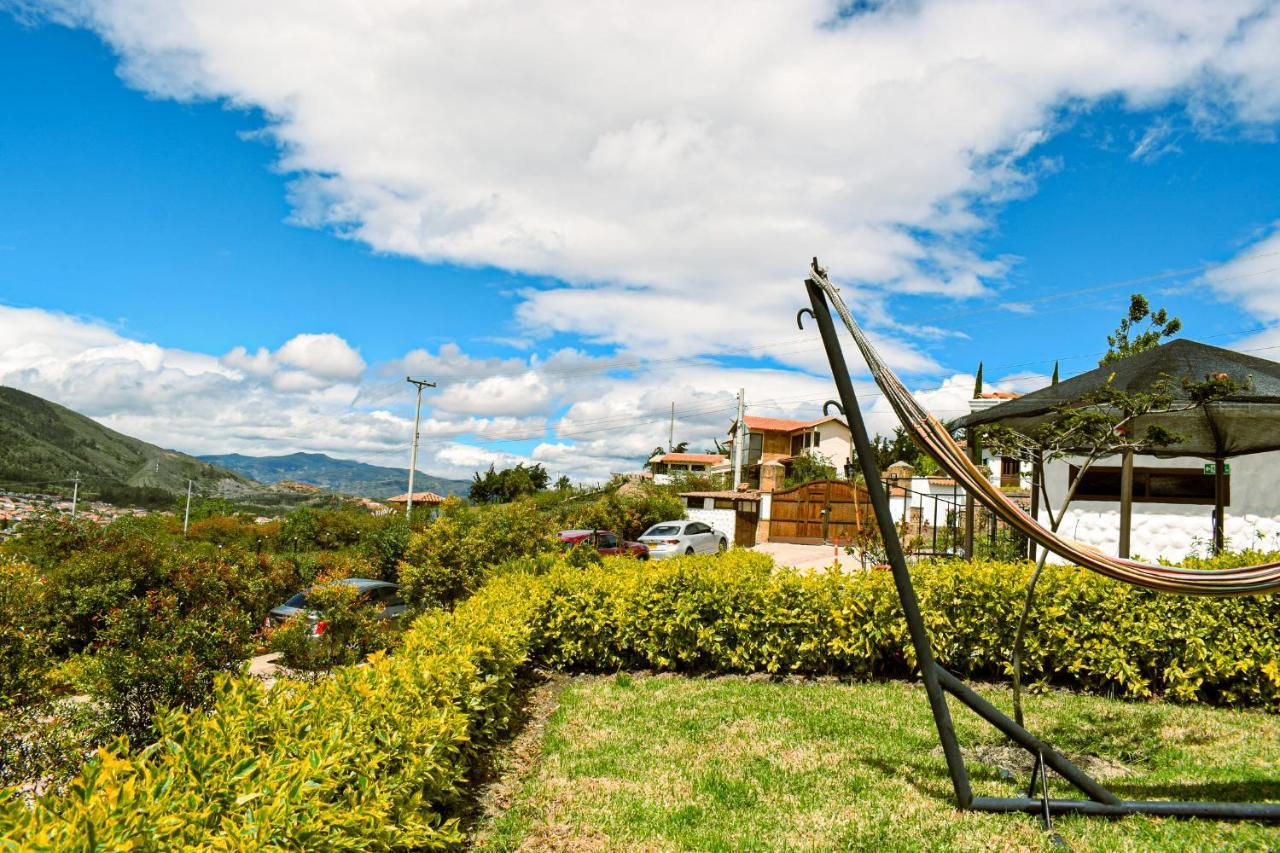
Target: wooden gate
<point x="820" y="512"/>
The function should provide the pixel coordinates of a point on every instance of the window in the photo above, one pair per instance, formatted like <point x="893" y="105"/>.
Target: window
<point x="606" y="540"/>
<point x="723" y="503"/>
<point x="695" y="528"/>
<point x="693" y="503"/>
<point x="1011" y="472"/>
<point x="755" y="448"/>
<point x="1151" y="485"/>
<point x="803" y="441"/>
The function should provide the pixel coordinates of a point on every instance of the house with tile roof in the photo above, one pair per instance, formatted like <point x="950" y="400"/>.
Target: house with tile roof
<point x="666" y="465"/>
<point x="771" y="445"/>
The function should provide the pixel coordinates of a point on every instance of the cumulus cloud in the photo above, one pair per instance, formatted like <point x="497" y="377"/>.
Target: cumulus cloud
<point x="676" y="164"/>
<point x="324" y="356"/>
<point x="588" y="421"/>
<point x="1252" y="277"/>
<point x="670" y="166"/>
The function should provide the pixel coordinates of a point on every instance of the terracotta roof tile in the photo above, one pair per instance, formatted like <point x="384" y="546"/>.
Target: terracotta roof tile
<point x="418" y="498"/>
<point x="726" y="494"/>
<point x="693" y="458"/>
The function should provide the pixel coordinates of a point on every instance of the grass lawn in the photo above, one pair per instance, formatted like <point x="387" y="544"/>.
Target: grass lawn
<point x="664" y="762"/>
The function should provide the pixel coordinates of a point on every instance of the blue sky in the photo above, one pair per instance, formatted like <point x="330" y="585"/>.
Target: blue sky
<point x="169" y="221"/>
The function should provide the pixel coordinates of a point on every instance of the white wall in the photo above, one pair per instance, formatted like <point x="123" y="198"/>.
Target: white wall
<point x="721" y="519"/>
<point x="833" y="444"/>
<point x="1175" y="531"/>
<point x="926" y="495"/>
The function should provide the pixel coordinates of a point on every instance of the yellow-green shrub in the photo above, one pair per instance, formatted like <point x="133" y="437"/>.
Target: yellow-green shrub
<point x="732" y="614"/>
<point x="373" y="757"/>
<point x="376" y="756"/>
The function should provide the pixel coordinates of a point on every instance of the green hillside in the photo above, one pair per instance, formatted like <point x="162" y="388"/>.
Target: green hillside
<point x="340" y="475"/>
<point x="43" y="445"/>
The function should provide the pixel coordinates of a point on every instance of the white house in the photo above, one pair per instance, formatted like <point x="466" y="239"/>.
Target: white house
<point x="1172" y="505"/>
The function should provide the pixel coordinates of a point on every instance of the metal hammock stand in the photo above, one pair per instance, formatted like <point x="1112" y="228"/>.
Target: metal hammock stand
<point x="938" y="682"/>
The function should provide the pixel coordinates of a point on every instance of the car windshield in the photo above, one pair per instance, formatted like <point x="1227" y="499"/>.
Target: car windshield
<point x="299" y="600"/>
<point x="663" y="530"/>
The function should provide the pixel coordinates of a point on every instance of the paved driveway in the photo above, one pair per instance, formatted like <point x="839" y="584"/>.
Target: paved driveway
<point x="807" y="556"/>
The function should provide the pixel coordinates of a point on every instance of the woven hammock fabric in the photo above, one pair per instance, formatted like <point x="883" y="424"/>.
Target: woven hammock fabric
<point x="934" y="438"/>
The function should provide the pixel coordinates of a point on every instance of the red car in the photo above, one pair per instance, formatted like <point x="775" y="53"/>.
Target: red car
<point x="606" y="543"/>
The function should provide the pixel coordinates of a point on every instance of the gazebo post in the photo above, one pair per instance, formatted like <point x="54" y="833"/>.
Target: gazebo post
<point x="1219" y="504"/>
<point x="1126" y="501"/>
<point x="1037" y="477"/>
<point x="970" y="508"/>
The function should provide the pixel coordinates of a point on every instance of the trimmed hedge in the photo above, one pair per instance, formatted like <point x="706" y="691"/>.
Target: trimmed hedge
<point x="374" y="757"/>
<point x="377" y="756"/>
<point x="734" y="614"/>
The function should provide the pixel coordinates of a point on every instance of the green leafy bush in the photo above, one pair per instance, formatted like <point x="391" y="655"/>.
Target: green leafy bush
<point x="732" y="614"/>
<point x="373" y="757"/>
<point x="149" y="618"/>
<point x="627" y="514"/>
<point x="352" y="630"/>
<point x="24" y="632"/>
<point x="451" y="558"/>
<point x="377" y="756"/>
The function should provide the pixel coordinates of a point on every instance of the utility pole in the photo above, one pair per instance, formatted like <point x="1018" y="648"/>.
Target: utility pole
<point x="413" y="458"/>
<point x="671" y="434"/>
<point x="186" y="516"/>
<point x="740" y="437"/>
<point x="75" y="494"/>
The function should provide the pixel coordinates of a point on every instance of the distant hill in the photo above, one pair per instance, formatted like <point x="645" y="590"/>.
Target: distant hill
<point x="339" y="475"/>
<point x="43" y="445"/>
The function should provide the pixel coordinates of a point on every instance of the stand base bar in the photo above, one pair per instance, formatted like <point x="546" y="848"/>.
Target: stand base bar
<point x="1024" y="738"/>
<point x="1217" y="811"/>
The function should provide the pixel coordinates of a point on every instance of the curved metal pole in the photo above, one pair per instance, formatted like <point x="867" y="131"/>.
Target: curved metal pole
<point x="893" y="547"/>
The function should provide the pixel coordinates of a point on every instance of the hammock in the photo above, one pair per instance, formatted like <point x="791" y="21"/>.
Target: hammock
<point x="936" y="440"/>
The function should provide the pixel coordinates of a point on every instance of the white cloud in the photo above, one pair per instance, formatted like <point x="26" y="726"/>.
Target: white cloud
<point x="672" y="165"/>
<point x="1252" y="277"/>
<point x="676" y="164"/>
<point x="587" y="425"/>
<point x="324" y="356"/>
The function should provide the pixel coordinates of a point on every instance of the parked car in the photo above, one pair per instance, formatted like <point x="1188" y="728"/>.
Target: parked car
<point x="675" y="538"/>
<point x="379" y="593"/>
<point x="606" y="543"/>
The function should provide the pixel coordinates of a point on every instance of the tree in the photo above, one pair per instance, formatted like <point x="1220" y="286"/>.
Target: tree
<point x="1099" y="424"/>
<point x="1160" y="325"/>
<point x="563" y="484"/>
<point x="901" y="448"/>
<point x="650" y="464"/>
<point x="509" y="484"/>
<point x="682" y="447"/>
<point x="807" y="467"/>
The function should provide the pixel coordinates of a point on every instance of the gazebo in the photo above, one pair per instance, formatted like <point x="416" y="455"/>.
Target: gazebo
<point x="1244" y="422"/>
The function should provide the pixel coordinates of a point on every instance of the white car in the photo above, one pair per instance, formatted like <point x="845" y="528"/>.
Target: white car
<point x="676" y="538"/>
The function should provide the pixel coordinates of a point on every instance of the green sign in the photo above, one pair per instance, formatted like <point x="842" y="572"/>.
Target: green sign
<point x="1211" y="468"/>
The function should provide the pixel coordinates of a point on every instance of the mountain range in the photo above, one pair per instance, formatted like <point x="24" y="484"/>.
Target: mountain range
<point x="44" y="445"/>
<point x="339" y="475"/>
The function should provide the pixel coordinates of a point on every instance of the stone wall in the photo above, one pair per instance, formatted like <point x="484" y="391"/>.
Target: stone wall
<point x="1175" y="531"/>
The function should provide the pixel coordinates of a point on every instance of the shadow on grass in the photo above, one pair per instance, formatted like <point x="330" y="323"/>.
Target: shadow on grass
<point x="1225" y="792"/>
<point x="505" y="760"/>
